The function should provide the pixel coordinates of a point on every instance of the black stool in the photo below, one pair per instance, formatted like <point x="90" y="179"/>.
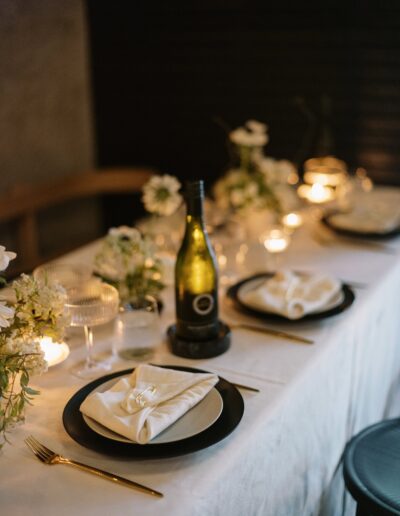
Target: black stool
<point x="372" y="469"/>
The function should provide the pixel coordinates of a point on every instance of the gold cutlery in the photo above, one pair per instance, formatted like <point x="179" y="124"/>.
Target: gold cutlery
<point x="49" y="457"/>
<point x="271" y="331"/>
<point x="245" y="387"/>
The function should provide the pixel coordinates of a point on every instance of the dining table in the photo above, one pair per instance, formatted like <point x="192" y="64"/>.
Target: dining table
<point x="284" y="458"/>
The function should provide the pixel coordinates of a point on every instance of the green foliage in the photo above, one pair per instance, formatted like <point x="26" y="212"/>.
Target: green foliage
<point x="13" y="398"/>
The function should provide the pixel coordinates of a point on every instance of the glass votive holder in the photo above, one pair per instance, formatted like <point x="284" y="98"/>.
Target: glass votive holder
<point x="137" y="330"/>
<point x="275" y="240"/>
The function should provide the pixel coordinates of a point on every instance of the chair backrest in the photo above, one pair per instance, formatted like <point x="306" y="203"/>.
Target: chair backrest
<point x="24" y="203"/>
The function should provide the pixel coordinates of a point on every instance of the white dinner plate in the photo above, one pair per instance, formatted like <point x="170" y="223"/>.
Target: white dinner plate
<point x="197" y="419"/>
<point x="335" y="301"/>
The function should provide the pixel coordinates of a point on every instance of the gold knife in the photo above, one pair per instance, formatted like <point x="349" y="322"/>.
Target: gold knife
<point x="271" y="331"/>
<point x="245" y="387"/>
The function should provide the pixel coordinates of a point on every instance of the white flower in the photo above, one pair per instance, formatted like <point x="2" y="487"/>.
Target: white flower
<point x="6" y="314"/>
<point x="256" y="127"/>
<point x="161" y="195"/>
<point x="127" y="260"/>
<point x="125" y="232"/>
<point x="267" y="166"/>
<point x="237" y="197"/>
<point x="246" y="138"/>
<point x="30" y="349"/>
<point x="39" y="308"/>
<point x="5" y="258"/>
<point x="251" y="190"/>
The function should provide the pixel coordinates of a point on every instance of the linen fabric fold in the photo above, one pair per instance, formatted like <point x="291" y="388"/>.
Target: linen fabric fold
<point x="152" y="398"/>
<point x="292" y="295"/>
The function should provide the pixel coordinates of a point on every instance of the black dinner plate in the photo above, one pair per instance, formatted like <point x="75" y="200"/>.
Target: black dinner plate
<point x="360" y="234"/>
<point x="232" y="293"/>
<point x="76" y="427"/>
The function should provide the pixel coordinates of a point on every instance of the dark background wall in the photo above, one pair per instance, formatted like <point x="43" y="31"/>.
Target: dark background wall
<point x="163" y="74"/>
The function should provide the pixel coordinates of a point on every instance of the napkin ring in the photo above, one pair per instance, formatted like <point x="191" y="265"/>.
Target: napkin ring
<point x="139" y="397"/>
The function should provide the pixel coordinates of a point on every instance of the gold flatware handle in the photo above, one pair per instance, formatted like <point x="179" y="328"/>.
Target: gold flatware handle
<point x="245" y="387"/>
<point x="113" y="478"/>
<point x="276" y="333"/>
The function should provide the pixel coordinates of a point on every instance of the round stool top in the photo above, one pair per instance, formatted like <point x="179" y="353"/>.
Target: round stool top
<point x="372" y="468"/>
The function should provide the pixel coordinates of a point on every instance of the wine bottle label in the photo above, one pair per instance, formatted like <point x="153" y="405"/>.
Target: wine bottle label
<point x="203" y="304"/>
<point x="197" y="316"/>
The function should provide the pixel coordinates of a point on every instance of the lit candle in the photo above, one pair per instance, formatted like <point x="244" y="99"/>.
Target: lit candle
<point x="316" y="193"/>
<point x="275" y="240"/>
<point x="292" y="220"/>
<point x="333" y="178"/>
<point x="54" y="352"/>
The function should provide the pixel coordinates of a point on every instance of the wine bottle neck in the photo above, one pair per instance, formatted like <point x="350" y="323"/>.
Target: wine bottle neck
<point x="195" y="208"/>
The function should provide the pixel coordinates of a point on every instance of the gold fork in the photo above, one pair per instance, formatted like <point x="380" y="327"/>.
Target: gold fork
<point x="49" y="457"/>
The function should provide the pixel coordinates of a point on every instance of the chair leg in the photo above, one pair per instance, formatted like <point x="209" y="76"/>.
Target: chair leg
<point x="361" y="511"/>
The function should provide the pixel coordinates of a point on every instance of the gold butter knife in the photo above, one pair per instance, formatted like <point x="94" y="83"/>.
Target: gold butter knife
<point x="271" y="331"/>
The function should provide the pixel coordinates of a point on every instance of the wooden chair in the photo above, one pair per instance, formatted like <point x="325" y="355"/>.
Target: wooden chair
<point x="25" y="202"/>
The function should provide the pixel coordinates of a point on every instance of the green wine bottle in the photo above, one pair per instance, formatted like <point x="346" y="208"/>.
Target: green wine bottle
<point x="196" y="277"/>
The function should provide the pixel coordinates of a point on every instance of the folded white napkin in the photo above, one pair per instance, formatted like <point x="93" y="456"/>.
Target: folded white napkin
<point x="147" y="402"/>
<point x="372" y="216"/>
<point x="292" y="295"/>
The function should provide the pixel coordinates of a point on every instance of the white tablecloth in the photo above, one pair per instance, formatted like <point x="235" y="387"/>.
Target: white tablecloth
<point x="284" y="457"/>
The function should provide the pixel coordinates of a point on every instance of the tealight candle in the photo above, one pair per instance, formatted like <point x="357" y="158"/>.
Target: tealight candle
<point x="292" y="220"/>
<point x="54" y="352"/>
<point x="275" y="240"/>
<point x="317" y="193"/>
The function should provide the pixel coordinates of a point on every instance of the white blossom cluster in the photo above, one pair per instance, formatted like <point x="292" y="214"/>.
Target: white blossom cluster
<point x="36" y="311"/>
<point x="258" y="182"/>
<point x="127" y="261"/>
<point x="253" y="134"/>
<point x="161" y="195"/>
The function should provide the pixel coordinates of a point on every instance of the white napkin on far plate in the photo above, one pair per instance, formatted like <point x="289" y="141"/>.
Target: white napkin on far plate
<point x="147" y="402"/>
<point x="292" y="295"/>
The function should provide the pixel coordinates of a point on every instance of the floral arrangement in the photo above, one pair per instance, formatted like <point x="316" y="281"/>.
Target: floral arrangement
<point x="127" y="261"/>
<point x="161" y="195"/>
<point x="35" y="311"/>
<point x="258" y="182"/>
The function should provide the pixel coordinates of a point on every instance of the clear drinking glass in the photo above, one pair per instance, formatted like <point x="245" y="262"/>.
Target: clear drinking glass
<point x="90" y="304"/>
<point x="137" y="330"/>
<point x="66" y="274"/>
<point x="275" y="240"/>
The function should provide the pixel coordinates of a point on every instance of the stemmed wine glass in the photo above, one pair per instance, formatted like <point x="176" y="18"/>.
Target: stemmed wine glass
<point x="90" y="304"/>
